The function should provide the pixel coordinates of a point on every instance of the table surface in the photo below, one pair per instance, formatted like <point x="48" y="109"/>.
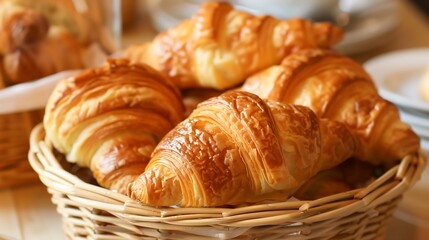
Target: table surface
<point x="27" y="212"/>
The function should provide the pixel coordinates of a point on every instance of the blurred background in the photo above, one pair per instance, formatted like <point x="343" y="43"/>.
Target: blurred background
<point x="370" y="25"/>
<point x="374" y="29"/>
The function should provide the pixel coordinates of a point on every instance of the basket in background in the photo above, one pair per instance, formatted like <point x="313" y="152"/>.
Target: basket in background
<point x="15" y="131"/>
<point x="92" y="212"/>
<point x="94" y="25"/>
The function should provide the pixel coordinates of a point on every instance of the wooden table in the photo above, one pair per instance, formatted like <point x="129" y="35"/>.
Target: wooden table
<point x="27" y="212"/>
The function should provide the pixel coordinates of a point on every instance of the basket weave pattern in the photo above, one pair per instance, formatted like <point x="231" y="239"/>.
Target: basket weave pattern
<point x="15" y="129"/>
<point x="92" y="212"/>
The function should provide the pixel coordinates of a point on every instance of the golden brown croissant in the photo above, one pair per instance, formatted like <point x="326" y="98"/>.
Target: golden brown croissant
<point x="59" y="51"/>
<point x="220" y="46"/>
<point x="236" y="148"/>
<point x="110" y="118"/>
<point x="20" y="26"/>
<point x="338" y="88"/>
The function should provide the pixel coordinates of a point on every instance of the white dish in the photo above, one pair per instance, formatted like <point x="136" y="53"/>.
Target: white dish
<point x="283" y="9"/>
<point x="369" y="27"/>
<point x="16" y="98"/>
<point x="170" y="13"/>
<point x="421" y="131"/>
<point x="424" y="144"/>
<point x="414" y="117"/>
<point x="397" y="76"/>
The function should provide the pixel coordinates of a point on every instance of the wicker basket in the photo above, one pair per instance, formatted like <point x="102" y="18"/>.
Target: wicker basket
<point x="15" y="129"/>
<point x="91" y="212"/>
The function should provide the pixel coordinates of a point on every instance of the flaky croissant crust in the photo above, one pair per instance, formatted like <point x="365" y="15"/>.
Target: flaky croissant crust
<point x="111" y="118"/>
<point x="236" y="148"/>
<point x="338" y="88"/>
<point x="220" y="46"/>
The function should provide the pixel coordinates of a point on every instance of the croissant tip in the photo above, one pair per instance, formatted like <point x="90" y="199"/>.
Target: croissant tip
<point x="129" y="190"/>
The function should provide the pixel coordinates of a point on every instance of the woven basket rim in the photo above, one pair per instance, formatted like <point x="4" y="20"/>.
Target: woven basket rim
<point x="389" y="187"/>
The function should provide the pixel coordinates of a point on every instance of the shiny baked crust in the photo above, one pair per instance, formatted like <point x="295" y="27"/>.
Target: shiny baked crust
<point x="338" y="88"/>
<point x="110" y="118"/>
<point x="220" y="46"/>
<point x="236" y="149"/>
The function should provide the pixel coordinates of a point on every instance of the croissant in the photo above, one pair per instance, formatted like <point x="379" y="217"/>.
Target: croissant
<point x="20" y="26"/>
<point x="236" y="149"/>
<point x="59" y="51"/>
<point x="110" y="118"/>
<point x="220" y="46"/>
<point x="338" y="88"/>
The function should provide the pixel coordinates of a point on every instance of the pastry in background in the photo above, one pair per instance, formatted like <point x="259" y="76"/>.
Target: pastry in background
<point x="360" y="174"/>
<point x="424" y="85"/>
<point x="88" y="21"/>
<point x="325" y="183"/>
<point x="57" y="52"/>
<point x="20" y="26"/>
<point x="338" y="88"/>
<point x="192" y="97"/>
<point x="110" y="118"/>
<point x="71" y="14"/>
<point x="238" y="148"/>
<point x="219" y="47"/>
<point x="84" y="174"/>
<point x="129" y="12"/>
<point x="349" y="175"/>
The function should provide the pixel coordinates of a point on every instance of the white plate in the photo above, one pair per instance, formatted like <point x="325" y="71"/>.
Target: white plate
<point x="369" y="28"/>
<point x="16" y="98"/>
<point x="422" y="132"/>
<point x="170" y="13"/>
<point x="414" y="117"/>
<point x="398" y="74"/>
<point x="425" y="146"/>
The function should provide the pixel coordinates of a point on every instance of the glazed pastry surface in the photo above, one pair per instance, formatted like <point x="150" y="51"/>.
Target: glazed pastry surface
<point x="110" y="119"/>
<point x="220" y="46"/>
<point x="338" y="88"/>
<point x="237" y="148"/>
